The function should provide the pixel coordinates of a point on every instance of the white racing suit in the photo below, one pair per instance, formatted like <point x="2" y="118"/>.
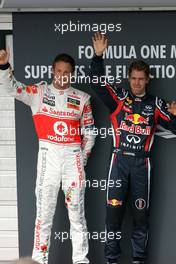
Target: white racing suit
<point x="64" y="125"/>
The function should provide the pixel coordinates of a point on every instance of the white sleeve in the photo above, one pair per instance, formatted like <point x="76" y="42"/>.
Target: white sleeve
<point x="25" y="93"/>
<point x="87" y="128"/>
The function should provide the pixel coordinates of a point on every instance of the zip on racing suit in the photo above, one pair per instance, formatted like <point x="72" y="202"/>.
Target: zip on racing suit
<point x="134" y="121"/>
<point x="64" y="125"/>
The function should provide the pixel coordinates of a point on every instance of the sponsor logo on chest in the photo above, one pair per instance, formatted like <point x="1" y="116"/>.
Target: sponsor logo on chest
<point x="73" y="103"/>
<point x="60" y="113"/>
<point x="49" y="99"/>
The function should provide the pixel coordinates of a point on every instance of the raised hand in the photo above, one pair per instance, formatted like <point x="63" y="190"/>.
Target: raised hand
<point x="4" y="56"/>
<point x="172" y="108"/>
<point x="100" y="43"/>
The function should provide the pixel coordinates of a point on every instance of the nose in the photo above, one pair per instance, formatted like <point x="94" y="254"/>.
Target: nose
<point x="137" y="82"/>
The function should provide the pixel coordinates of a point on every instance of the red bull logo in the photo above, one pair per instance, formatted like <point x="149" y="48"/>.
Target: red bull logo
<point x="135" y="129"/>
<point x="137" y="119"/>
<point x="114" y="202"/>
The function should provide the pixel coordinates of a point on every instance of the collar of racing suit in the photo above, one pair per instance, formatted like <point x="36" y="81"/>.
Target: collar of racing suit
<point x="138" y="98"/>
<point x="53" y="88"/>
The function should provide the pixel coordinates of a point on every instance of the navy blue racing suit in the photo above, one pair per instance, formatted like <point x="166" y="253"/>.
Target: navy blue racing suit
<point x="134" y="121"/>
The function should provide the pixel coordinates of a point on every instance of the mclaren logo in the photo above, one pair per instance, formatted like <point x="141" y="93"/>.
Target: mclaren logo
<point x="133" y="139"/>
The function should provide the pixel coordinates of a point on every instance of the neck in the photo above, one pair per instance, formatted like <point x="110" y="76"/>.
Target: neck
<point x="140" y="95"/>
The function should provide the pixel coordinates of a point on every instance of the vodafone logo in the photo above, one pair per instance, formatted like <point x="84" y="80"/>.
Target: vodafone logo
<point x="60" y="128"/>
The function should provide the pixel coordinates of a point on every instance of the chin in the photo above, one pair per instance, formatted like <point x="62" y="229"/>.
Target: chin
<point x="137" y="91"/>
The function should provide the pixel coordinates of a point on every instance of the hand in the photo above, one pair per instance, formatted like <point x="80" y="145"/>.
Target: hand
<point x="4" y="56"/>
<point x="172" y="108"/>
<point x="100" y="43"/>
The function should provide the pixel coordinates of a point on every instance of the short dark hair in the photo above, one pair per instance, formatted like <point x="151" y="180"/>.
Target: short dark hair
<point x="65" y="58"/>
<point x="139" y="65"/>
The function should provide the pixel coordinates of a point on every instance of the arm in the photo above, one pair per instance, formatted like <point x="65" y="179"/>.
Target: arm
<point x="87" y="129"/>
<point x="20" y="91"/>
<point x="166" y="115"/>
<point x="107" y="93"/>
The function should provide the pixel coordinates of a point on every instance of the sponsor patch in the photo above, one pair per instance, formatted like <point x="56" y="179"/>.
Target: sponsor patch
<point x="137" y="119"/>
<point x="48" y="102"/>
<point x="37" y="234"/>
<point x="49" y="95"/>
<point x="140" y="203"/>
<point x="114" y="202"/>
<point x="127" y="109"/>
<point x="73" y="103"/>
<point x="87" y="108"/>
<point x="135" y="129"/>
<point x="74" y="96"/>
<point x="28" y="89"/>
<point x="129" y="100"/>
<point x="89" y="121"/>
<point x="133" y="139"/>
<point x="147" y="114"/>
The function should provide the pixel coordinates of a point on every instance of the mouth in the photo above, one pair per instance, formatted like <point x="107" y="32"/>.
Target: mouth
<point x="137" y="87"/>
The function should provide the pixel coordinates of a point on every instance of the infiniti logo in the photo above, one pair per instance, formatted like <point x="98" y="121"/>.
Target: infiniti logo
<point x="148" y="107"/>
<point x="133" y="139"/>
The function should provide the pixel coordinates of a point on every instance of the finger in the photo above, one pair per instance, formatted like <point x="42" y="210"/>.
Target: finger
<point x="93" y="39"/>
<point x="106" y="42"/>
<point x="103" y="37"/>
<point x="100" y="36"/>
<point x="96" y="36"/>
<point x="2" y="52"/>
